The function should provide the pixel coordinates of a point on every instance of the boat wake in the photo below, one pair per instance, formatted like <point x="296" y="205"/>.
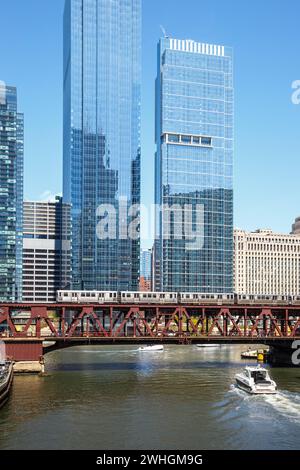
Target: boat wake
<point x="284" y="402"/>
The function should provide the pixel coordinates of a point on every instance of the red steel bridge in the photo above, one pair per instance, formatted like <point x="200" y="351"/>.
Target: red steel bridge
<point x="26" y="327"/>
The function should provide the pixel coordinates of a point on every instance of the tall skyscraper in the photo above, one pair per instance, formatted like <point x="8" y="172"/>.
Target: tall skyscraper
<point x="146" y="263"/>
<point x="102" y="94"/>
<point x="11" y="194"/>
<point x="194" y="159"/>
<point x="146" y="270"/>
<point x="46" y="249"/>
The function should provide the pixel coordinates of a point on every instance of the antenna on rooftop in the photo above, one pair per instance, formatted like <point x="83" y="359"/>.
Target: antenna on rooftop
<point x="163" y="31"/>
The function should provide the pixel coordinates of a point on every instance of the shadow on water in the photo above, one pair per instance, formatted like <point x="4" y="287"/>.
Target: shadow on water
<point x="123" y="366"/>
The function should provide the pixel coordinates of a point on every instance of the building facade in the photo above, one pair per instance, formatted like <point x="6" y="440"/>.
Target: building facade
<point x="194" y="167"/>
<point x="11" y="194"/>
<point x="102" y="95"/>
<point x="266" y="263"/>
<point x="146" y="263"/>
<point x="146" y="270"/>
<point x="46" y="250"/>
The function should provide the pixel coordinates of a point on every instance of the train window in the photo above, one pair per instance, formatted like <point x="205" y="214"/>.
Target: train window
<point x="144" y="296"/>
<point x="123" y="295"/>
<point x="66" y="294"/>
<point x="136" y="296"/>
<point x="110" y="295"/>
<point x="128" y="296"/>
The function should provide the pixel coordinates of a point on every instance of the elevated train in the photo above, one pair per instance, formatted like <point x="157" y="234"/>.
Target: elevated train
<point x="169" y="298"/>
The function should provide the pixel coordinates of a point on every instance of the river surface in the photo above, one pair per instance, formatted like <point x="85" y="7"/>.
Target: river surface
<point x="116" y="397"/>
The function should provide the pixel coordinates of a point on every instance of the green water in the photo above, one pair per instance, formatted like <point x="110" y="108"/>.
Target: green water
<point x="116" y="397"/>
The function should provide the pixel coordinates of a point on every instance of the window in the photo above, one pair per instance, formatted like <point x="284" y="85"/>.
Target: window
<point x="186" y="139"/>
<point x="206" y="140"/>
<point x="173" y="138"/>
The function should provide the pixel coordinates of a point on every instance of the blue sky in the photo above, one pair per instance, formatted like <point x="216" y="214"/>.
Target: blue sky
<point x="265" y="37"/>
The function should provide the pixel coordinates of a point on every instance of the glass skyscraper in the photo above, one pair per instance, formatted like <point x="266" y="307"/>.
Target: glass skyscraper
<point x="194" y="167"/>
<point x="146" y="264"/>
<point x="11" y="194"/>
<point x="102" y="94"/>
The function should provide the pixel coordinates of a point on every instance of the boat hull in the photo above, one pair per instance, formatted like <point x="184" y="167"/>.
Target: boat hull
<point x="254" y="391"/>
<point x="151" y="348"/>
<point x="5" y="387"/>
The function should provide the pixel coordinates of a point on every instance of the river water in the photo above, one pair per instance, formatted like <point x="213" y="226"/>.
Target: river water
<point x="116" y="397"/>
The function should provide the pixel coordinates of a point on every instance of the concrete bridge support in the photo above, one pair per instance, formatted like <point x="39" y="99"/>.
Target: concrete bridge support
<point x="26" y="354"/>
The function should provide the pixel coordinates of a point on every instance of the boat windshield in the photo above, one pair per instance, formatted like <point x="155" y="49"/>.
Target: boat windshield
<point x="260" y="376"/>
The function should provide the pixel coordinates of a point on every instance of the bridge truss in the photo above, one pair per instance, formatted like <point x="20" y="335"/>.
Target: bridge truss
<point x="187" y="323"/>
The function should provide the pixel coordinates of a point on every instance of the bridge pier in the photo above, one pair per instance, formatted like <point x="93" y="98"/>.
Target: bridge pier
<point x="26" y="354"/>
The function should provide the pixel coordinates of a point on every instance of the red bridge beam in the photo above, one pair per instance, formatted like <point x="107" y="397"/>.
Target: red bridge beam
<point x="113" y="321"/>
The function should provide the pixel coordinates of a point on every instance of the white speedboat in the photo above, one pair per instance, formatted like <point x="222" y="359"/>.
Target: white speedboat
<point x="154" y="347"/>
<point x="256" y="380"/>
<point x="208" y="345"/>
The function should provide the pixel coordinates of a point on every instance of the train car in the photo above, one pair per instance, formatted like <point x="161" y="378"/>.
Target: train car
<point x="296" y="300"/>
<point x="192" y="298"/>
<point x="265" y="299"/>
<point x="96" y="297"/>
<point x="149" y="297"/>
<point x="214" y="299"/>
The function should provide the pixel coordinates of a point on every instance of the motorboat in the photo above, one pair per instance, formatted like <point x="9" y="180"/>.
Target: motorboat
<point x="249" y="354"/>
<point x="154" y="347"/>
<point x="256" y="380"/>
<point x="208" y="345"/>
<point x="257" y="354"/>
<point x="6" y="379"/>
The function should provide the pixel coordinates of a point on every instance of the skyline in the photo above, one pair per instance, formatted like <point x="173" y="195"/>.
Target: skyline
<point x="270" y="166"/>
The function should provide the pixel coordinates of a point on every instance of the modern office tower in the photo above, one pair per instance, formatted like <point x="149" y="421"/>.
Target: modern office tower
<point x="156" y="266"/>
<point x="194" y="160"/>
<point x="102" y="94"/>
<point x="146" y="261"/>
<point x="266" y="263"/>
<point x="11" y="194"/>
<point x="296" y="226"/>
<point x="46" y="250"/>
<point x="146" y="270"/>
